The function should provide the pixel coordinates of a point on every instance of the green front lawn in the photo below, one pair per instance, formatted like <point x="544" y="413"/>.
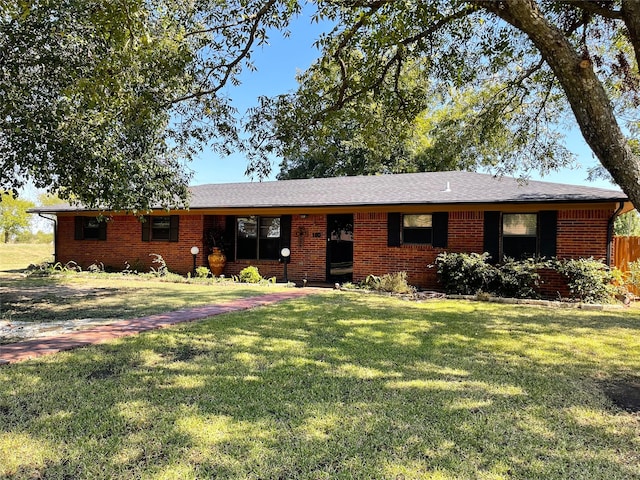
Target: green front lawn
<point x="18" y="256"/>
<point x="110" y="296"/>
<point x="335" y="386"/>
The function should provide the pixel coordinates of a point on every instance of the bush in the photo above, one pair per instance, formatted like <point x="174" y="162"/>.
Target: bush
<point x="389" y="282"/>
<point x="465" y="273"/>
<point x="50" y="268"/>
<point x="250" y="275"/>
<point x="202" y="272"/>
<point x="161" y="270"/>
<point x="589" y="280"/>
<point x="518" y="279"/>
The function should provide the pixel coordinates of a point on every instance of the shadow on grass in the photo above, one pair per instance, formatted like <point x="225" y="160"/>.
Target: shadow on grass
<point x="332" y="387"/>
<point x="47" y="299"/>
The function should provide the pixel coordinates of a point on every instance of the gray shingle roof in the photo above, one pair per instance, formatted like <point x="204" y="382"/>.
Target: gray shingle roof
<point x="402" y="189"/>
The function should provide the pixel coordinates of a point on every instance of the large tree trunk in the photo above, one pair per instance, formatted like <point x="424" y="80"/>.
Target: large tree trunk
<point x="631" y="15"/>
<point x="586" y="95"/>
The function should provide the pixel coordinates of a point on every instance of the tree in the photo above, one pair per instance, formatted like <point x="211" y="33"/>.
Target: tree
<point x="531" y="64"/>
<point x="365" y="141"/>
<point x="627" y="225"/>
<point x="103" y="99"/>
<point x="14" y="218"/>
<point x="84" y="86"/>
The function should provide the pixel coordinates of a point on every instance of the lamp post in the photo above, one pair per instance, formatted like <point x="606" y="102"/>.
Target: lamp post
<point x="194" y="251"/>
<point x="285" y="253"/>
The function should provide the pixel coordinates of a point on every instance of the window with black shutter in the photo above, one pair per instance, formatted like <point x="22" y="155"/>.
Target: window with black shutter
<point x="417" y="229"/>
<point x="163" y="228"/>
<point x="520" y="235"/>
<point x="258" y="238"/>
<point x="90" y="228"/>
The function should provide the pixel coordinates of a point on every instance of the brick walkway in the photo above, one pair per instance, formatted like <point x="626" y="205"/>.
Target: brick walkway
<point x="20" y="351"/>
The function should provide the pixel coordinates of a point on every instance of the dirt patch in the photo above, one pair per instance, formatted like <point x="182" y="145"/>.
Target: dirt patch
<point x="624" y="393"/>
<point x="13" y="331"/>
<point x="11" y="296"/>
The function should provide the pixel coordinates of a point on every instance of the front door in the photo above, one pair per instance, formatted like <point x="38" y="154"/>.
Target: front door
<point x="340" y="248"/>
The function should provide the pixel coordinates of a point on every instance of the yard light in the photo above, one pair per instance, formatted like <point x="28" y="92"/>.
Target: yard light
<point x="285" y="253"/>
<point x="194" y="251"/>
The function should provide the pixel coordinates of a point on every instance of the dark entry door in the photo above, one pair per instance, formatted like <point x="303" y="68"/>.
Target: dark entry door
<point x="340" y="248"/>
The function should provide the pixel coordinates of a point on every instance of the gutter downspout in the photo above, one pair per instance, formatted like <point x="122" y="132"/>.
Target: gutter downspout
<point x="610" y="232"/>
<point x="55" y="236"/>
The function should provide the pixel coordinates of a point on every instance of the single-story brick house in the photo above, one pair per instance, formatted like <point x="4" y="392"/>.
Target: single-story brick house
<point x="346" y="228"/>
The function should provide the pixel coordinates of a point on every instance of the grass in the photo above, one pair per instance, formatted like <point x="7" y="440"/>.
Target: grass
<point x="18" y="256"/>
<point x="338" y="385"/>
<point x="79" y="296"/>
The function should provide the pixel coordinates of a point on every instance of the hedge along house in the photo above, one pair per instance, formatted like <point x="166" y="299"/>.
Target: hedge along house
<point x="345" y="228"/>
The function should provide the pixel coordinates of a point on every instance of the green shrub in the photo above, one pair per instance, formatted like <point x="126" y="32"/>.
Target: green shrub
<point x="465" y="273"/>
<point x="50" y="268"/>
<point x="389" y="282"/>
<point x="589" y="280"/>
<point x="518" y="279"/>
<point x="202" y="272"/>
<point x="96" y="268"/>
<point x="161" y="270"/>
<point x="250" y="275"/>
<point x="395" y="283"/>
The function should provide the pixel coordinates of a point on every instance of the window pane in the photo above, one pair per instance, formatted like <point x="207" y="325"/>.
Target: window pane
<point x="417" y="235"/>
<point x="519" y="248"/>
<point x="420" y="221"/>
<point x="160" y="222"/>
<point x="269" y="248"/>
<point x="91" y="229"/>
<point x="270" y="227"/>
<point x="160" y="228"/>
<point x="92" y="223"/>
<point x="248" y="227"/>
<point x="519" y="224"/>
<point x="247" y="248"/>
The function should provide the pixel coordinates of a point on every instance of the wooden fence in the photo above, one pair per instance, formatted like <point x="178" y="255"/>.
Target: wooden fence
<point x="626" y="249"/>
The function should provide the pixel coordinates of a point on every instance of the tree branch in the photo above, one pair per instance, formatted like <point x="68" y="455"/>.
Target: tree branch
<point x="229" y="67"/>
<point x="397" y="57"/>
<point x="597" y="8"/>
<point x="631" y="11"/>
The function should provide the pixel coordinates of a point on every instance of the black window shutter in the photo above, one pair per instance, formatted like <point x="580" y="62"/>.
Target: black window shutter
<point x="174" y="223"/>
<point x="79" y="231"/>
<point x="548" y="224"/>
<point x="492" y="235"/>
<point x="393" y="229"/>
<point x="146" y="228"/>
<point x="440" y="228"/>
<point x="230" y="238"/>
<point x="102" y="232"/>
<point x="285" y="231"/>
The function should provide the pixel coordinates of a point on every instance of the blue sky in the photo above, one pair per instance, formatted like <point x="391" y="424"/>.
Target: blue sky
<point x="277" y="66"/>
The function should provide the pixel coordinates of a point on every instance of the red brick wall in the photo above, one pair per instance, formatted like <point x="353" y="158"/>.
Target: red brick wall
<point x="581" y="233"/>
<point x="466" y="232"/>
<point x="124" y="244"/>
<point x="372" y="256"/>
